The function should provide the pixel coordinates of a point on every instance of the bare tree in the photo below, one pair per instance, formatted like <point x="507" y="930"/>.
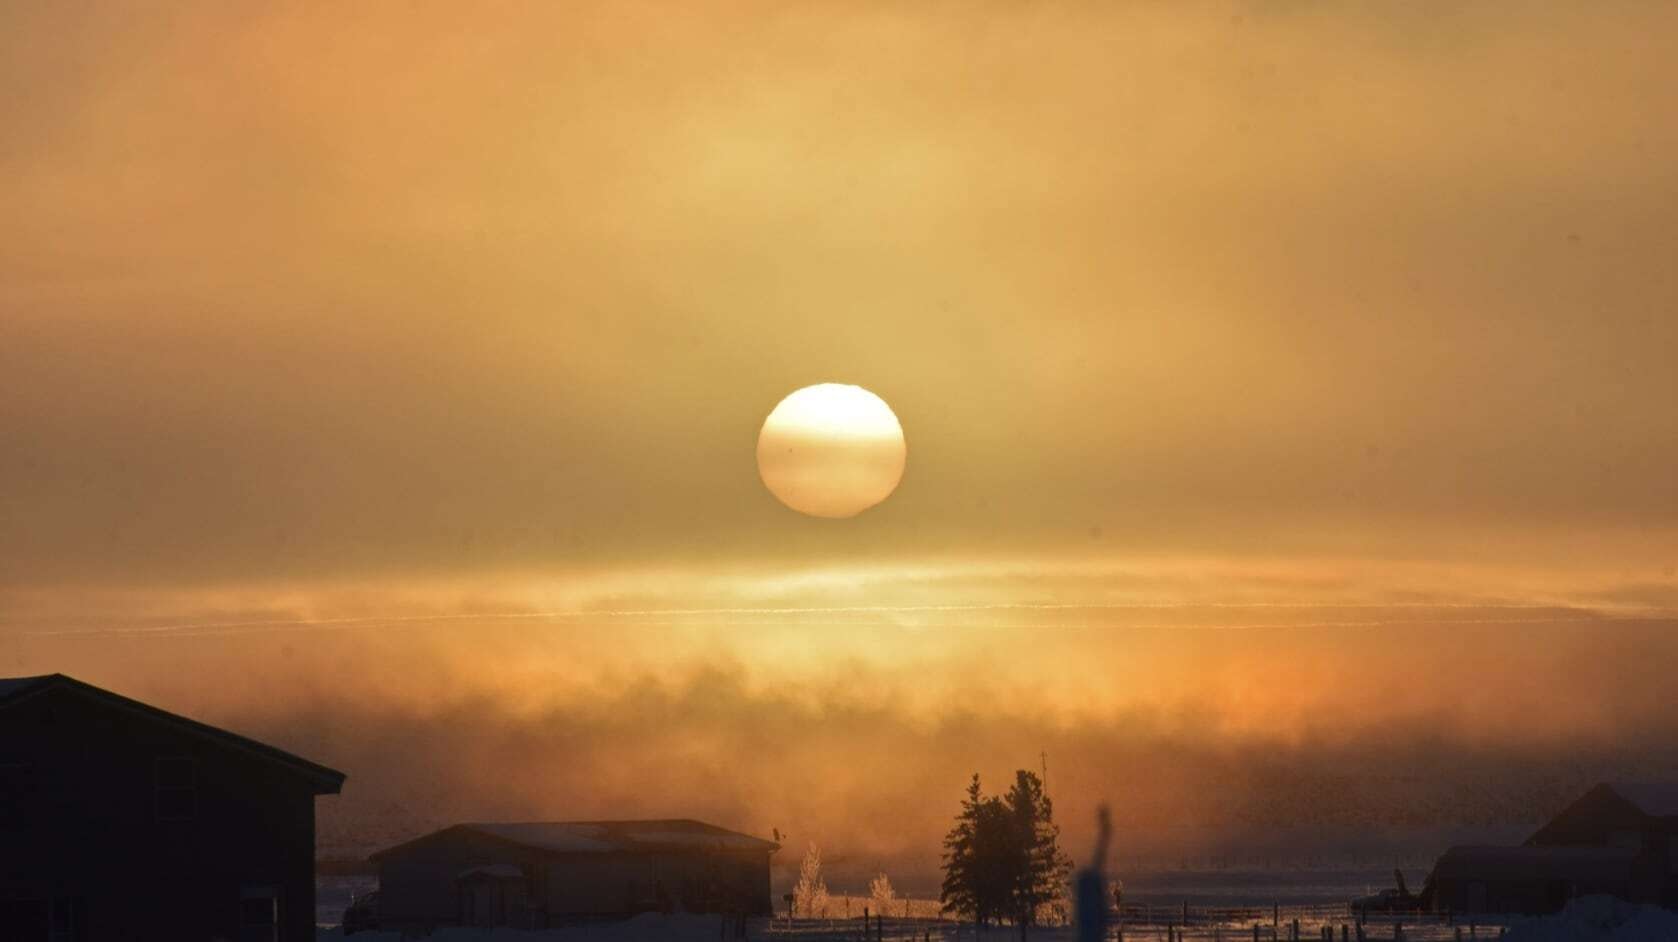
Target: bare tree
<point x="809" y="897"/>
<point x="881" y="893"/>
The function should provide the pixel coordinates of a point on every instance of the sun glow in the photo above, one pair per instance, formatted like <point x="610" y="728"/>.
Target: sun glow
<point x="831" y="450"/>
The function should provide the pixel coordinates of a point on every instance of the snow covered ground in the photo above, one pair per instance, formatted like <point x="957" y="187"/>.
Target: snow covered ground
<point x="1599" y="919"/>
<point x="1588" y="919"/>
<point x="648" y="927"/>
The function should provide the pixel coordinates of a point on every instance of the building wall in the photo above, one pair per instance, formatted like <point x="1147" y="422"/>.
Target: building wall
<point x="418" y="884"/>
<point x="1492" y="894"/>
<point x="1603" y="818"/>
<point x="85" y="830"/>
<point x="710" y="881"/>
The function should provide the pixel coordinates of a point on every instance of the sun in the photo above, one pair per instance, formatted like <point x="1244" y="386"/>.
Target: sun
<point x="831" y="450"/>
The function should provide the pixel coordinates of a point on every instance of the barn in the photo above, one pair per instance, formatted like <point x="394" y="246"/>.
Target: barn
<point x="1617" y="839"/>
<point x="539" y="874"/>
<point x="1526" y="879"/>
<point x="119" y="820"/>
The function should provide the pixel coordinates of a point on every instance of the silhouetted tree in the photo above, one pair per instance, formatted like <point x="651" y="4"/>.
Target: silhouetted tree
<point x="961" y="892"/>
<point x="1002" y="859"/>
<point x="1040" y="871"/>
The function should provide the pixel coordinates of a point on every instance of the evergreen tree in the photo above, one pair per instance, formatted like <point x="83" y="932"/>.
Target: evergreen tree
<point x="960" y="893"/>
<point x="1002" y="859"/>
<point x="1039" y="869"/>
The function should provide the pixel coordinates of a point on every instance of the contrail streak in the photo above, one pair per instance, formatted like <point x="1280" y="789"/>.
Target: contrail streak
<point x="685" y="618"/>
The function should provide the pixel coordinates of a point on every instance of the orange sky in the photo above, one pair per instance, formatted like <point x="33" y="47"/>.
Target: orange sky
<point x="1274" y="377"/>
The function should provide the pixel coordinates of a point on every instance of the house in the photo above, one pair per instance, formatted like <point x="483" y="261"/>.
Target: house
<point x="119" y="820"/>
<point x="534" y="875"/>
<point x="1618" y="814"/>
<point x="1617" y="839"/>
<point x="1526" y="879"/>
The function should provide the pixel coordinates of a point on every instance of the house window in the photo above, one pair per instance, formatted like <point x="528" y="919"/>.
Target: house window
<point x="176" y="780"/>
<point x="259" y="914"/>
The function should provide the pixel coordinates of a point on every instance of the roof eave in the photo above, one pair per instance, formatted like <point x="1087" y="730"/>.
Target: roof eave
<point x="325" y="781"/>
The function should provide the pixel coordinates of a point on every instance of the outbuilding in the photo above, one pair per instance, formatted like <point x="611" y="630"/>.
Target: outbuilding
<point x="119" y="820"/>
<point x="540" y="874"/>
<point x="1617" y="839"/>
<point x="1526" y="879"/>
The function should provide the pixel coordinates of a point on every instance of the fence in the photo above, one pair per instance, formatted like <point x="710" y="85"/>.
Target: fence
<point x="1332" y="922"/>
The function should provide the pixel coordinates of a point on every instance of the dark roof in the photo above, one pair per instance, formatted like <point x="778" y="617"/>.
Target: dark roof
<point x="18" y="689"/>
<point x="1655" y="799"/>
<point x="1534" y="863"/>
<point x="601" y="837"/>
<point x="11" y="685"/>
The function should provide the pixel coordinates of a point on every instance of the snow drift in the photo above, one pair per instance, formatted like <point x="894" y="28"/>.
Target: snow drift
<point x="1599" y="919"/>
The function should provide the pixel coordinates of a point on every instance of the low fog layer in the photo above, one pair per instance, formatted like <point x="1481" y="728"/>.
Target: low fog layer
<point x="1233" y="709"/>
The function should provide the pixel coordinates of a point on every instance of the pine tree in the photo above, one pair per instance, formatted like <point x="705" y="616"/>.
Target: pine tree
<point x="1002" y="859"/>
<point x="960" y="892"/>
<point x="1039" y="869"/>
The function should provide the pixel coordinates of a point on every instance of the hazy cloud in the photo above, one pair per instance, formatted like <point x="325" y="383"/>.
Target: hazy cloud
<point x="289" y="292"/>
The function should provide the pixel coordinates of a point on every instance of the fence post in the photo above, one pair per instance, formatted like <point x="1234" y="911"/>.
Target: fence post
<point x="1255" y="932"/>
<point x="1275" y="914"/>
<point x="1398" y="932"/>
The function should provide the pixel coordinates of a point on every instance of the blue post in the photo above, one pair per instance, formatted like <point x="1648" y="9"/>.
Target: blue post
<point x="1091" y="886"/>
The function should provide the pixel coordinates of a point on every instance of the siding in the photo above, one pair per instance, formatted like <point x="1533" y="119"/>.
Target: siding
<point x="90" y="828"/>
<point x="418" y="886"/>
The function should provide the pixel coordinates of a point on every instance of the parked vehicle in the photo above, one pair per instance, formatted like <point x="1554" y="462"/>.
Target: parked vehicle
<point x="1390" y="900"/>
<point x="362" y="914"/>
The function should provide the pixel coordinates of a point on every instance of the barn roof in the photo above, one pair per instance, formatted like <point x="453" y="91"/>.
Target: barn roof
<point x="601" y="837"/>
<point x="11" y="685"/>
<point x="1655" y="799"/>
<point x="15" y="690"/>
